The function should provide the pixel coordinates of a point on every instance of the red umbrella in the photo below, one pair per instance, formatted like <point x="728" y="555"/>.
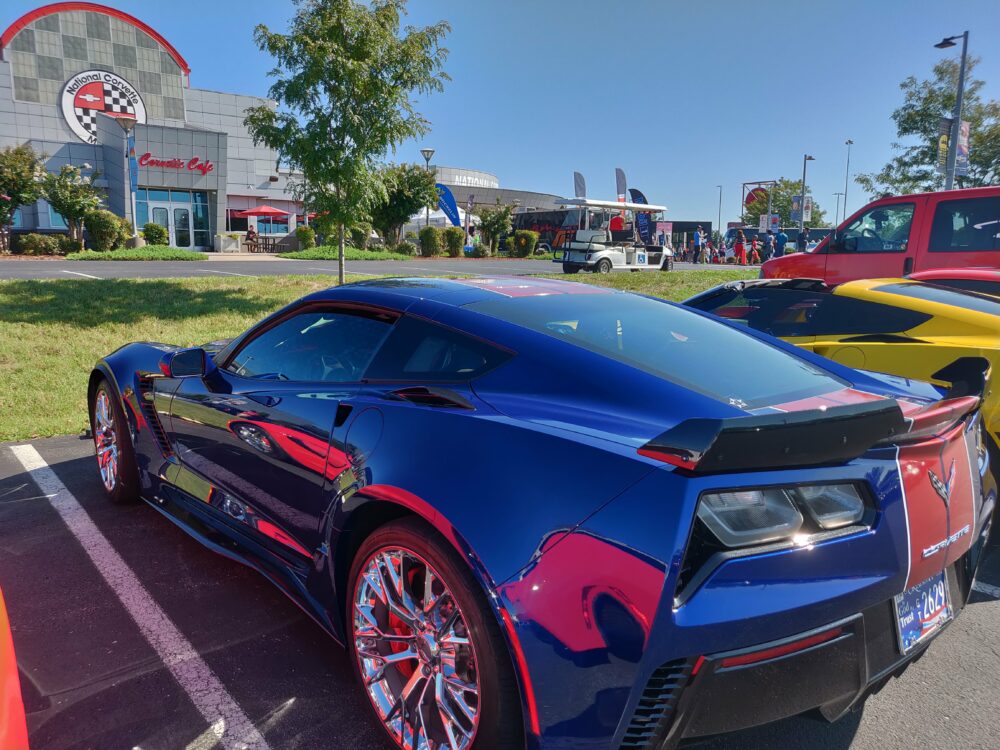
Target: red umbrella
<point x="261" y="211"/>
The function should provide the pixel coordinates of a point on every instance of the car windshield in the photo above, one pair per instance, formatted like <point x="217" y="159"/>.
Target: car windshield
<point x="670" y="342"/>
<point x="966" y="300"/>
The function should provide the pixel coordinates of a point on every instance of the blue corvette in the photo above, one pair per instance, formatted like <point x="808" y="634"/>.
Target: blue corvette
<point x="549" y="515"/>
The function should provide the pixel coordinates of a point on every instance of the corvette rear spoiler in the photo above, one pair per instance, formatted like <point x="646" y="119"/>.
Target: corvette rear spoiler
<point x="775" y="441"/>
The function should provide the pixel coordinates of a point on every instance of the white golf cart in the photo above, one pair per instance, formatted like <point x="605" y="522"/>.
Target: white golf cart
<point x="607" y="240"/>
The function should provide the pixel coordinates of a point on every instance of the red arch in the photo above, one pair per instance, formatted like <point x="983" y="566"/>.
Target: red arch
<point x="48" y="10"/>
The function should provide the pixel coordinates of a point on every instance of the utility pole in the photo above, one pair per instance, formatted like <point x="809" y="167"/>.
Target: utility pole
<point x="836" y="213"/>
<point x="847" y="173"/>
<point x="806" y="158"/>
<point x="719" y="227"/>
<point x="427" y="153"/>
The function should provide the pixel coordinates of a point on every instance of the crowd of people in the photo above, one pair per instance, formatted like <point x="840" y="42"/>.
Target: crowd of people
<point x="702" y="249"/>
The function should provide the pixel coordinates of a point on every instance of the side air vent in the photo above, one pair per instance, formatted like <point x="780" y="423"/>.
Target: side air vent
<point x="152" y="418"/>
<point x="431" y="396"/>
<point x="655" y="710"/>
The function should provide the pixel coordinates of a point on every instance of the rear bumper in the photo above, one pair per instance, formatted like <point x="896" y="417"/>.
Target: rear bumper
<point x="851" y="659"/>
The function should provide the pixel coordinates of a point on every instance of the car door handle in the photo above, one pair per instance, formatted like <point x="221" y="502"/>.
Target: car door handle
<point x="907" y="266"/>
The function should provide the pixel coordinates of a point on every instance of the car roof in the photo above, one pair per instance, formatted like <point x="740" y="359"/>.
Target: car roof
<point x="464" y="291"/>
<point x="978" y="274"/>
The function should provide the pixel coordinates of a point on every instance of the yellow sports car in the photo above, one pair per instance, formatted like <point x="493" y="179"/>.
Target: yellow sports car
<point x="897" y="326"/>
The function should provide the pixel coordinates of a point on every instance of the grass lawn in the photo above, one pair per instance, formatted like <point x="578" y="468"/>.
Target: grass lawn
<point x="152" y="252"/>
<point x="672" y="285"/>
<point x="327" y="252"/>
<point x="52" y="331"/>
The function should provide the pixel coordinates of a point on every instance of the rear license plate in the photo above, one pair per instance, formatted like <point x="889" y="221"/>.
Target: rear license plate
<point x="921" y="611"/>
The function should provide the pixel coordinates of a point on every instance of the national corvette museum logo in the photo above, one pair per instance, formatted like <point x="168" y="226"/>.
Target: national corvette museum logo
<point x="88" y="95"/>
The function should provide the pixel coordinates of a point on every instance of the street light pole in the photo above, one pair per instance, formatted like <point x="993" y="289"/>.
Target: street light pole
<point x="427" y="153"/>
<point x="806" y="158"/>
<point x="956" y="119"/>
<point x="847" y="173"/>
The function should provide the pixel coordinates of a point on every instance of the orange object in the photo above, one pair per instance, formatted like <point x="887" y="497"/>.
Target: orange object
<point x="13" y="730"/>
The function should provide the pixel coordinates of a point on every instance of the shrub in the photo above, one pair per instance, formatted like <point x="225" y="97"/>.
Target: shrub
<point x="508" y="246"/>
<point x="430" y="242"/>
<point x="481" y="250"/>
<point x="154" y="234"/>
<point x="525" y="242"/>
<point x="68" y="245"/>
<point x="454" y="241"/>
<point x="106" y="230"/>
<point x="306" y="237"/>
<point x="405" y="248"/>
<point x="411" y="236"/>
<point x="39" y="244"/>
<point x="360" y="235"/>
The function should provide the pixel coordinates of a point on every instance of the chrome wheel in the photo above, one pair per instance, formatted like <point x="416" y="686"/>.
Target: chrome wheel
<point x="415" y="656"/>
<point x="105" y="440"/>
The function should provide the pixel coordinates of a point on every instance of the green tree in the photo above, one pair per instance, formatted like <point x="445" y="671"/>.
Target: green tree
<point x="781" y="204"/>
<point x="494" y="223"/>
<point x="73" y="195"/>
<point x="21" y="173"/>
<point x="345" y="81"/>
<point x="913" y="169"/>
<point x="409" y="188"/>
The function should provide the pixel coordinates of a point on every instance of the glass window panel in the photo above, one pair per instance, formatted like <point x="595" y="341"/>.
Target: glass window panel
<point x="140" y="194"/>
<point x="199" y="197"/>
<point x="182" y="227"/>
<point x="18" y="222"/>
<point x="159" y="195"/>
<point x="202" y="239"/>
<point x="141" y="213"/>
<point x="56" y="220"/>
<point x="883" y="229"/>
<point x="278" y="226"/>
<point x="160" y="217"/>
<point x="200" y="212"/>
<point x="968" y="225"/>
<point x="180" y="196"/>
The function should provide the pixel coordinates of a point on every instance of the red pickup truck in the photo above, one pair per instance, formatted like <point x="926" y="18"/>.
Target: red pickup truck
<point x="896" y="236"/>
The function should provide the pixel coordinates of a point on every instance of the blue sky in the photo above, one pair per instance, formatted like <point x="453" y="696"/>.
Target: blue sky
<point x="683" y="95"/>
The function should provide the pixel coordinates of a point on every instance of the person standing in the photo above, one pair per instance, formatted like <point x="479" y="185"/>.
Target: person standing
<point x="740" y="248"/>
<point x="780" y="241"/>
<point x="755" y="250"/>
<point x="803" y="239"/>
<point x="697" y="244"/>
<point x="768" y="245"/>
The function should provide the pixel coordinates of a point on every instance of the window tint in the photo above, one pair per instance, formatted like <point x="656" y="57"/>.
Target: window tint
<point x="420" y="350"/>
<point x="931" y="293"/>
<point x="788" y="313"/>
<point x="966" y="225"/>
<point x="669" y="342"/>
<point x="884" y="229"/>
<point x="321" y="345"/>
<point x="982" y="286"/>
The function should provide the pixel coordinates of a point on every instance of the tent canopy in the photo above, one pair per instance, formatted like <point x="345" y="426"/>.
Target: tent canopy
<point x="261" y="211"/>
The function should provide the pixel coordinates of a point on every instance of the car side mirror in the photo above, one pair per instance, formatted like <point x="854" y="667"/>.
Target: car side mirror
<point x="849" y="245"/>
<point x="186" y="363"/>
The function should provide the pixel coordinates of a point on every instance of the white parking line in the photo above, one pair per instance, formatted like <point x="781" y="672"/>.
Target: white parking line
<point x="985" y="588"/>
<point x="205" y="690"/>
<point x="77" y="273"/>
<point x="228" y="273"/>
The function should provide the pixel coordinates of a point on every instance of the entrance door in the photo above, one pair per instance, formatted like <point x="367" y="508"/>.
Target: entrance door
<point x="182" y="227"/>
<point x="175" y="219"/>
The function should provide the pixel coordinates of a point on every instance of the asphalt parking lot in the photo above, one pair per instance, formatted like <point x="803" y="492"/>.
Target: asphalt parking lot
<point x="129" y="634"/>
<point x="68" y="269"/>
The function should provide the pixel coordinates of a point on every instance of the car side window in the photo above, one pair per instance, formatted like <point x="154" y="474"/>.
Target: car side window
<point x="419" y="350"/>
<point x="883" y="229"/>
<point x="968" y="225"/>
<point x="314" y="346"/>
<point x="846" y="316"/>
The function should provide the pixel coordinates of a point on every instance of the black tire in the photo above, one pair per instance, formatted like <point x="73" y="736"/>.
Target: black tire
<point x="500" y="725"/>
<point x="603" y="266"/>
<point x="570" y="268"/>
<point x="125" y="487"/>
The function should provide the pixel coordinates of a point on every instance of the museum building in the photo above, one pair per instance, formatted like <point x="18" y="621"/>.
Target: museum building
<point x="71" y="73"/>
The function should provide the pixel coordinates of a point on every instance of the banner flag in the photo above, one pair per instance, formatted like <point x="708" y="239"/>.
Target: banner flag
<point x="962" y="153"/>
<point x="579" y="186"/>
<point x="133" y="165"/>
<point x="944" y="136"/>
<point x="620" y="183"/>
<point x="446" y="202"/>
<point x="642" y="222"/>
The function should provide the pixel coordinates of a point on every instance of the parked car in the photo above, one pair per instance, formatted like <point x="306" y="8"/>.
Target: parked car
<point x="903" y="327"/>
<point x="543" y="514"/>
<point x="981" y="280"/>
<point x="900" y="235"/>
